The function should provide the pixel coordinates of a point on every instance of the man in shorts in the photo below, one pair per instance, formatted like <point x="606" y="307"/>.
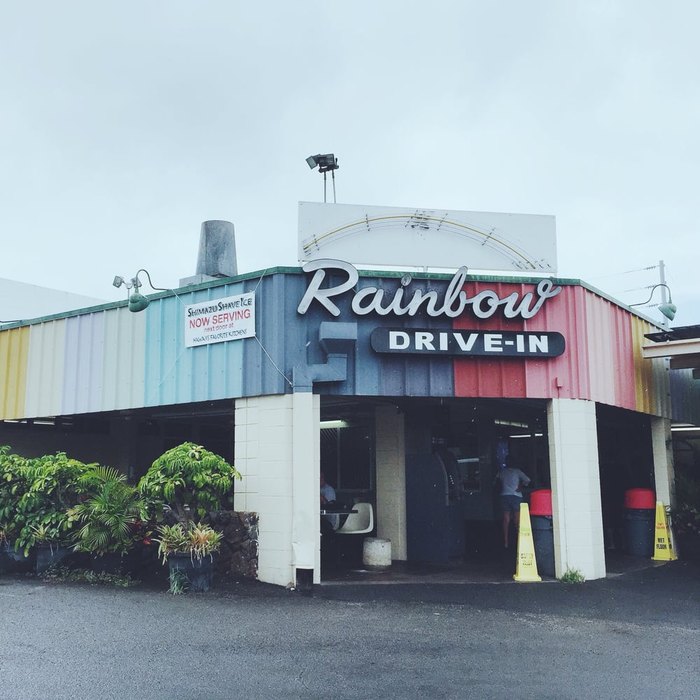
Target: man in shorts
<point x="512" y="480"/>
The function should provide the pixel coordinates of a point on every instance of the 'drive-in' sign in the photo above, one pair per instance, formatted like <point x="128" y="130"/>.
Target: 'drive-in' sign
<point x="423" y="341"/>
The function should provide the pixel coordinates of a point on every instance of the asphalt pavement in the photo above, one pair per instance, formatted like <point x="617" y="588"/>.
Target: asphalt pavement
<point x="633" y="636"/>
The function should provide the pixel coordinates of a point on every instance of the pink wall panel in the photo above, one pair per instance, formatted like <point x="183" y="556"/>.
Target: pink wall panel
<point x="486" y="377"/>
<point x="598" y="362"/>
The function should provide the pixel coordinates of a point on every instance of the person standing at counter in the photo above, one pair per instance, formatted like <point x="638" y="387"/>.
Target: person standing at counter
<point x="512" y="480"/>
<point x="328" y="497"/>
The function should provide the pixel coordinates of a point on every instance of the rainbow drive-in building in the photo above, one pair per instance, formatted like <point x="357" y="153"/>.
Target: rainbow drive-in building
<point x="406" y="386"/>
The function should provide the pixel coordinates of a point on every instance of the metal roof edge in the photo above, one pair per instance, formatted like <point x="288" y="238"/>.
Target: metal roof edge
<point x="260" y="274"/>
<point x="19" y="323"/>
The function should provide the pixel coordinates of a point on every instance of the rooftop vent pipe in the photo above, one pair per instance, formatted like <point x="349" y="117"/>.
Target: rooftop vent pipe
<point x="217" y="253"/>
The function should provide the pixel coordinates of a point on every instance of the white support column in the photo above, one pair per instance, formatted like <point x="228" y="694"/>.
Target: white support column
<point x="390" y="459"/>
<point x="663" y="460"/>
<point x="576" y="503"/>
<point x="278" y="454"/>
<point x="306" y="467"/>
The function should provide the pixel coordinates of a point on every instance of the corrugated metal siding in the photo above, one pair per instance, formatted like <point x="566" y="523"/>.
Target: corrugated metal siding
<point x="602" y="361"/>
<point x="178" y="374"/>
<point x="14" y="346"/>
<point x="516" y="378"/>
<point x="651" y="377"/>
<point x="610" y="360"/>
<point x="686" y="396"/>
<point x="566" y="376"/>
<point x="371" y="374"/>
<point x="112" y="359"/>
<point x="281" y="336"/>
<point x="82" y="379"/>
<point x="123" y="379"/>
<point x="45" y="381"/>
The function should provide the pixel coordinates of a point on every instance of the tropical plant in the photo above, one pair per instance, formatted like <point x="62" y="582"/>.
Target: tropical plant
<point x="13" y="484"/>
<point x="190" y="480"/>
<point x="109" y="515"/>
<point x="52" y="487"/>
<point x="196" y="539"/>
<point x="178" y="582"/>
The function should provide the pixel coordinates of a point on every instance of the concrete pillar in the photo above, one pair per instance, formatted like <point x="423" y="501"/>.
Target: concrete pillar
<point x="663" y="460"/>
<point x="277" y="451"/>
<point x="391" y="479"/>
<point x="306" y="468"/>
<point x="575" y="475"/>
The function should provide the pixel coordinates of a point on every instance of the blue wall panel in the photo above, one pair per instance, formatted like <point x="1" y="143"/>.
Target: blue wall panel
<point x="178" y="374"/>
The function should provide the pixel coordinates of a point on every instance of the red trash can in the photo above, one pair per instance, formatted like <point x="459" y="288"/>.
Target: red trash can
<point x="639" y="521"/>
<point x="542" y="530"/>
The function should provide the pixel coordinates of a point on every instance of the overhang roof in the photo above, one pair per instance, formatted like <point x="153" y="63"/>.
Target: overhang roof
<point x="681" y="345"/>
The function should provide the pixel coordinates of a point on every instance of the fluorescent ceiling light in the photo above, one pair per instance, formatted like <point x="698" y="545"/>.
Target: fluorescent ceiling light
<point x="334" y="424"/>
<point x="512" y="423"/>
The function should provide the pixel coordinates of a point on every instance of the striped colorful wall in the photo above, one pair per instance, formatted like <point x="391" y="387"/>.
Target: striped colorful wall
<point x="602" y="361"/>
<point x="106" y="358"/>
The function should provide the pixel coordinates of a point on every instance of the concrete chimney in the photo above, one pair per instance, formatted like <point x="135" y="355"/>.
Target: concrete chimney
<point x="217" y="253"/>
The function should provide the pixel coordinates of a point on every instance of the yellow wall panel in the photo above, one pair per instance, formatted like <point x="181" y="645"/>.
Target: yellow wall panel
<point x="14" y="348"/>
<point x="650" y="376"/>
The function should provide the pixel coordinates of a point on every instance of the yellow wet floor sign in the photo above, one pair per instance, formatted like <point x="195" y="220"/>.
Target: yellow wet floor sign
<point x="526" y="564"/>
<point x="663" y="545"/>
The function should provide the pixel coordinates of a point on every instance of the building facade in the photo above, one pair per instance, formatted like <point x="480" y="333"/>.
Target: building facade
<point x="407" y="390"/>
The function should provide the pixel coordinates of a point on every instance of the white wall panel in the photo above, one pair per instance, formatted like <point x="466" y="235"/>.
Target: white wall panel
<point x="45" y="369"/>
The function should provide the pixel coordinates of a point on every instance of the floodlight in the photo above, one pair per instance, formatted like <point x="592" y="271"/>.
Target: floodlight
<point x="326" y="162"/>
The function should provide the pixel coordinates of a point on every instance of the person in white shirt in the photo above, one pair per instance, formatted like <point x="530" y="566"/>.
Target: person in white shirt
<point x="328" y="496"/>
<point x="512" y="480"/>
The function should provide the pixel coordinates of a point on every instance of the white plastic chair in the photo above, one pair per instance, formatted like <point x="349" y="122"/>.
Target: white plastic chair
<point x="358" y="523"/>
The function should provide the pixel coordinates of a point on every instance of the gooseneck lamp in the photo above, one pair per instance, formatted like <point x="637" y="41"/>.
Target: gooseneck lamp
<point x="667" y="308"/>
<point x="137" y="301"/>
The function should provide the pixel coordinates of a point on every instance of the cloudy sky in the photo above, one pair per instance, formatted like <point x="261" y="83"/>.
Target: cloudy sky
<point x="126" y="124"/>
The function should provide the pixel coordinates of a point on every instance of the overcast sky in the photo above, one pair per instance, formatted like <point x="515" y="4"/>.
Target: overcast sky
<point x="124" y="125"/>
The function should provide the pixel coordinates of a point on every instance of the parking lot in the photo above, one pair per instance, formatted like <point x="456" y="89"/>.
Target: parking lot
<point x="632" y="636"/>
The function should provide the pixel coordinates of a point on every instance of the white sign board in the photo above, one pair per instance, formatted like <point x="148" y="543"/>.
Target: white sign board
<point x="219" y="320"/>
<point x="427" y="238"/>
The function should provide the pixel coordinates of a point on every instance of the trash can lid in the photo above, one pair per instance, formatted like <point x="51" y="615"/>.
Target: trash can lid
<point x="639" y="499"/>
<point x="541" y="502"/>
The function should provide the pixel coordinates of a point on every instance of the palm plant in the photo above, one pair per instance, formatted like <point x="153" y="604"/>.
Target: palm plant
<point x="109" y="515"/>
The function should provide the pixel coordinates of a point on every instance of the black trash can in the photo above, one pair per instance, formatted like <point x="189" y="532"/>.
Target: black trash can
<point x="543" y="539"/>
<point x="639" y="521"/>
<point x="639" y="532"/>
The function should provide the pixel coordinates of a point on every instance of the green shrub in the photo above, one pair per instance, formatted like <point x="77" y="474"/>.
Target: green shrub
<point x="13" y="485"/>
<point x="51" y="488"/>
<point x="572" y="576"/>
<point x="191" y="481"/>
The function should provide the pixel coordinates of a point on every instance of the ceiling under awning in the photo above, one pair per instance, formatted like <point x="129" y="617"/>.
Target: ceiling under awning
<point x="681" y="345"/>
